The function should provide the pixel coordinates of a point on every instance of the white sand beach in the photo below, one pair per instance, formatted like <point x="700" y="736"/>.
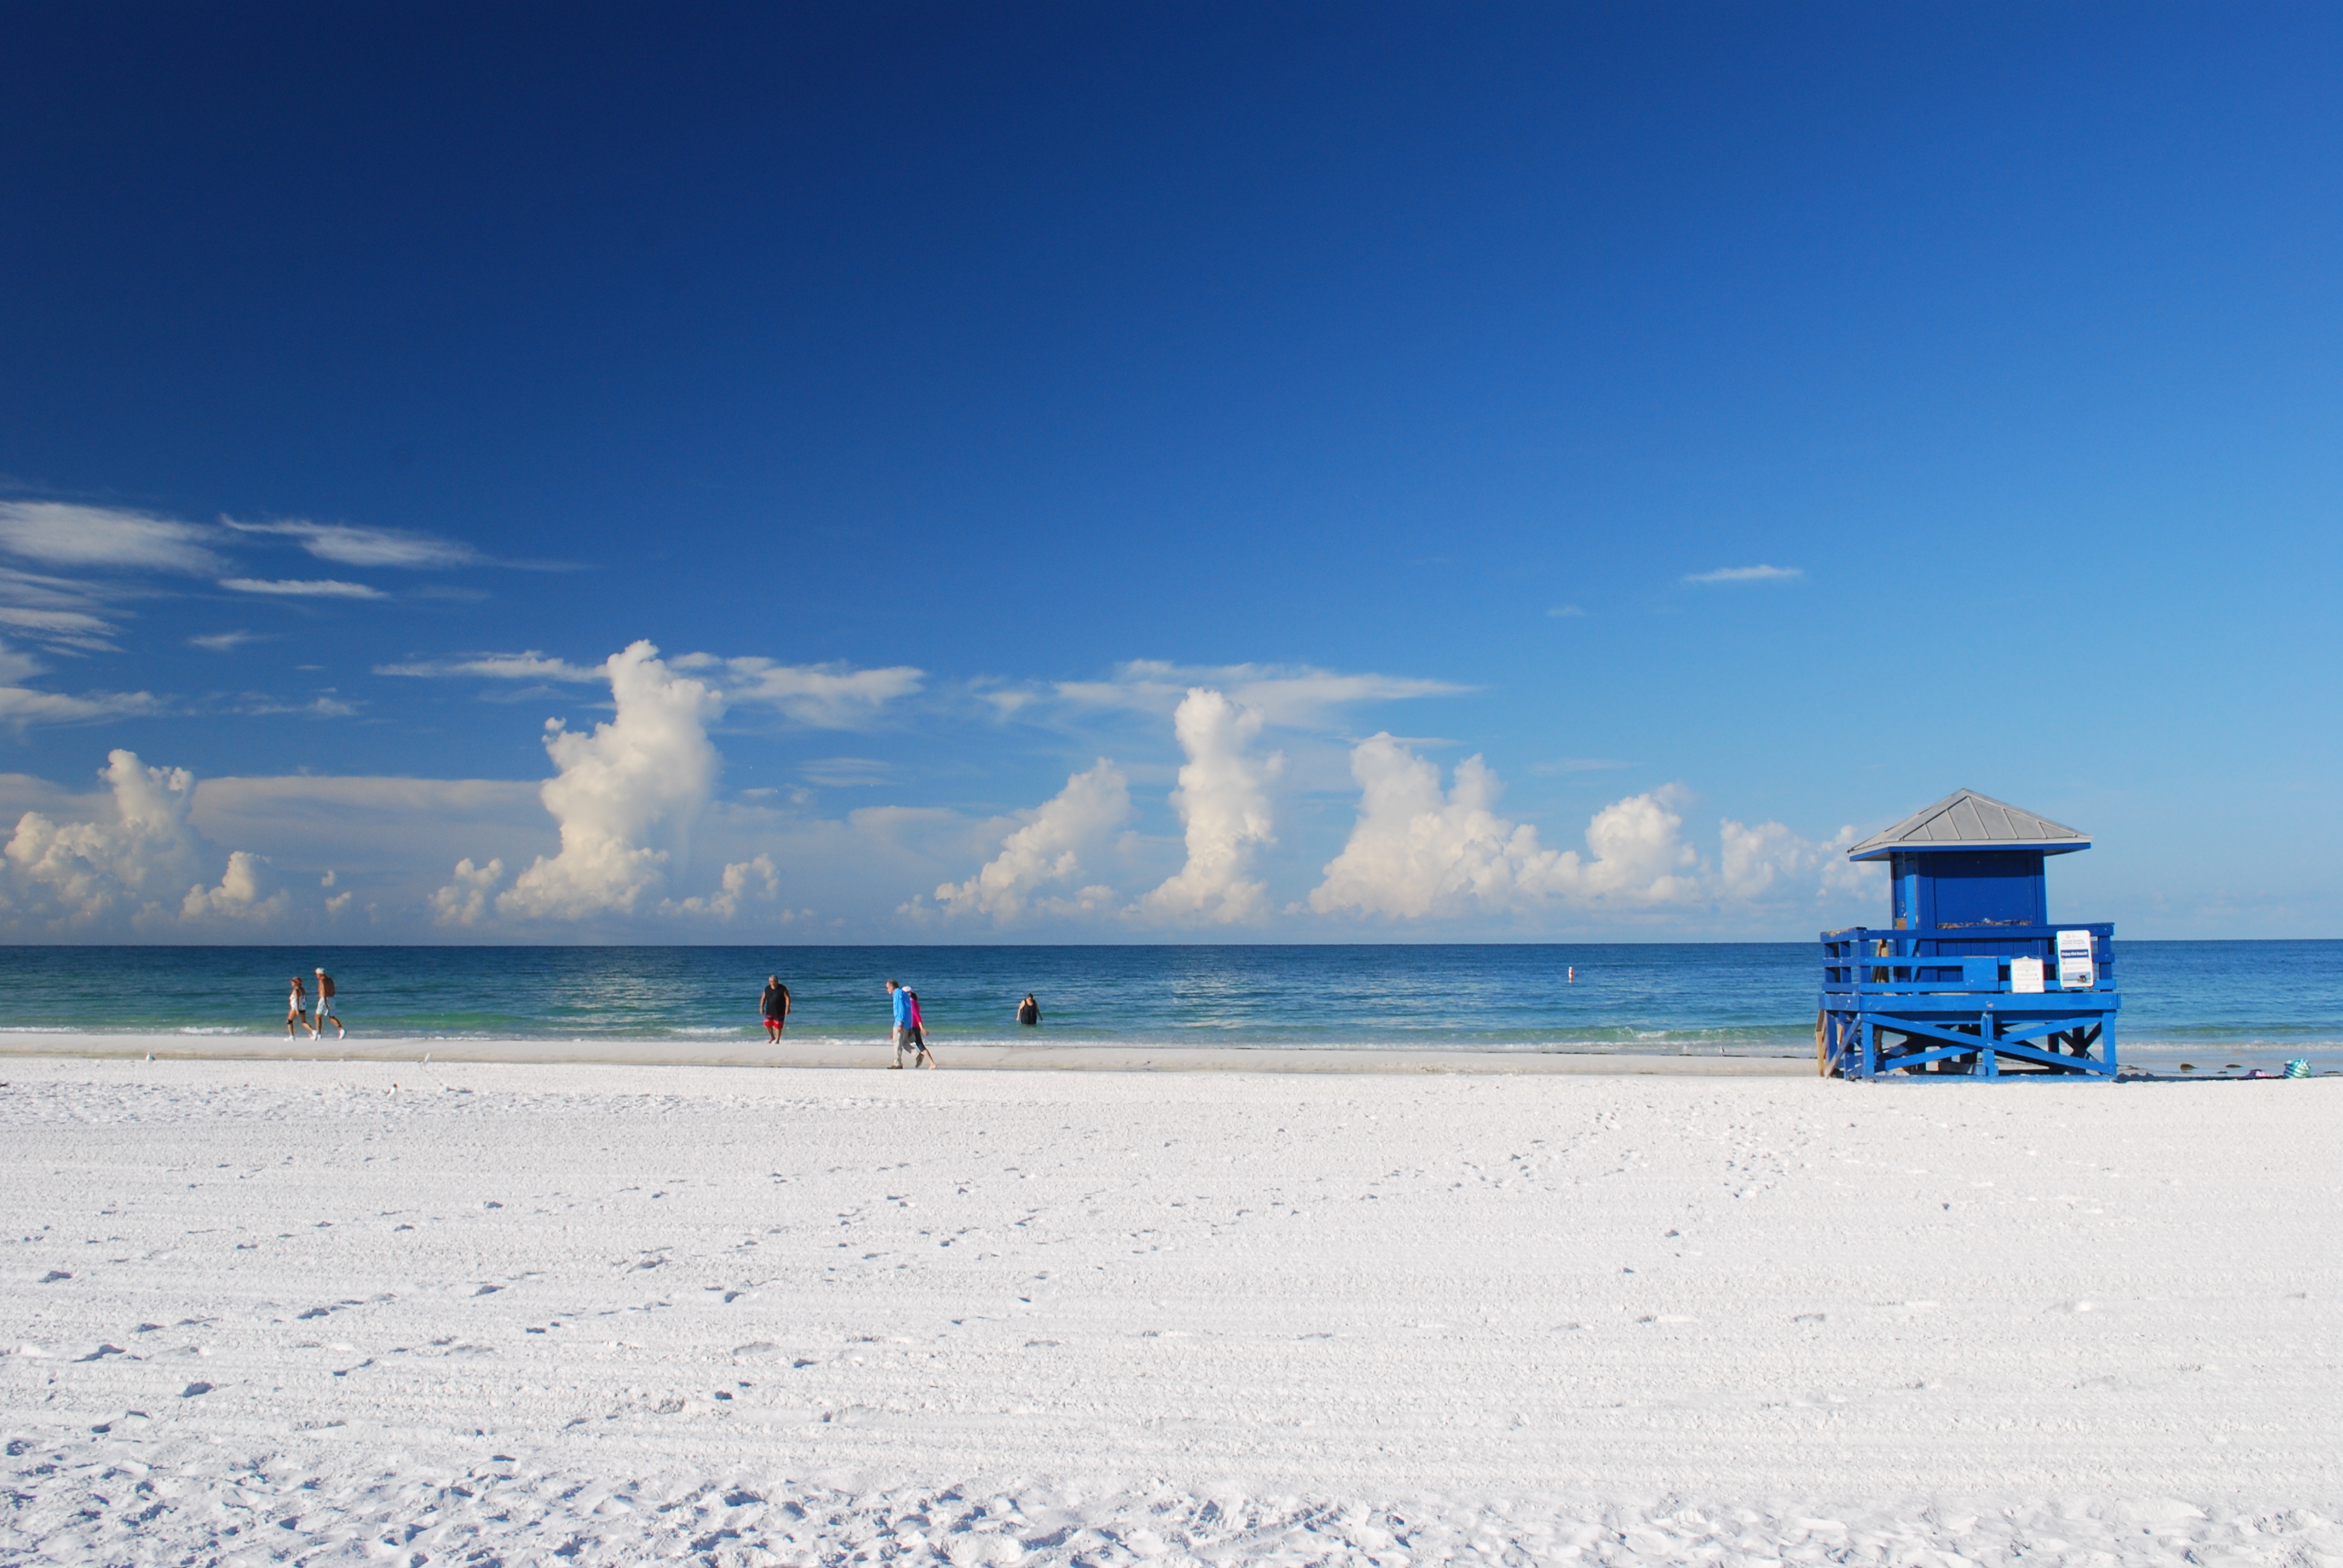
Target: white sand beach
<point x="372" y="1311"/>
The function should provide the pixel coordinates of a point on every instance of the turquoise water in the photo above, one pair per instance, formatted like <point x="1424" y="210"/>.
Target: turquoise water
<point x="2251" y="1003"/>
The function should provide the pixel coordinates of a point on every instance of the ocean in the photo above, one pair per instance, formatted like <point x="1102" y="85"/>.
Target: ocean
<point x="2247" y="1003"/>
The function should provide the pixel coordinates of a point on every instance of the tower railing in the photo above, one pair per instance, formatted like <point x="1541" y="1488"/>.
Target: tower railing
<point x="1983" y="1001"/>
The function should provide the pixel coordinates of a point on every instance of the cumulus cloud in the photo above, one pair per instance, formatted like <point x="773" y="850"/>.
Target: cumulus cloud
<point x="1047" y="848"/>
<point x="465" y="901"/>
<point x="725" y="902"/>
<point x="302" y="587"/>
<point x="132" y="860"/>
<point x="1770" y="861"/>
<point x="1224" y="803"/>
<point x="1294" y="696"/>
<point x="643" y="776"/>
<point x="90" y="870"/>
<point x="360" y="547"/>
<point x="1759" y="574"/>
<point x="1417" y="851"/>
<point x="1420" y="852"/>
<point x="61" y="535"/>
<point x="238" y="895"/>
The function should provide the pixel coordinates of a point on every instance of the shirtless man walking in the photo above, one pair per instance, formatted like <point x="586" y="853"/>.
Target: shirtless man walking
<point x="325" y="1008"/>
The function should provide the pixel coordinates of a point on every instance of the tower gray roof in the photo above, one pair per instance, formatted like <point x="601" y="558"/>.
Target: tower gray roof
<point x="1965" y="819"/>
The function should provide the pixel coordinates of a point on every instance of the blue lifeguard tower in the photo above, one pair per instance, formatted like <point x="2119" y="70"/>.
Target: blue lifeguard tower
<point x="1972" y="978"/>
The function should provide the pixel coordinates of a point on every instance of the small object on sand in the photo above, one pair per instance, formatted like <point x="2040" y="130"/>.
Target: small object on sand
<point x="2298" y="1067"/>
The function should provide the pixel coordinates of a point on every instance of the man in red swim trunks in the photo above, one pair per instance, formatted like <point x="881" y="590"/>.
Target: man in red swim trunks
<point x="776" y="1008"/>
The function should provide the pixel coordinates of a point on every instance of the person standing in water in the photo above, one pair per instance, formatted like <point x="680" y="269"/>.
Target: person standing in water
<point x="326" y="1008"/>
<point x="297" y="1009"/>
<point x="1028" y="1011"/>
<point x="776" y="1008"/>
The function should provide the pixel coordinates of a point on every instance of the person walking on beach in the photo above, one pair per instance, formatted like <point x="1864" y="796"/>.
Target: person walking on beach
<point x="326" y="1008"/>
<point x="923" y="1057"/>
<point x="776" y="1008"/>
<point x="909" y="1036"/>
<point x="900" y="999"/>
<point x="297" y="1009"/>
<point x="1029" y="1013"/>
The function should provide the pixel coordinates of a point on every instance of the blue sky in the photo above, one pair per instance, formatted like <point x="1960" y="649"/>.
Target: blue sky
<point x="1049" y="447"/>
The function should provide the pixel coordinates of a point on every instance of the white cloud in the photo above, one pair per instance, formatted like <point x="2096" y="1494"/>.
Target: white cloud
<point x="90" y="870"/>
<point x="1770" y="860"/>
<point x="529" y="666"/>
<point x="23" y="705"/>
<point x="646" y="773"/>
<point x="1417" y="852"/>
<point x="1747" y="575"/>
<point x="1223" y="801"/>
<point x="726" y="903"/>
<point x="223" y="641"/>
<point x="301" y="587"/>
<point x="846" y="772"/>
<point x="1048" y="847"/>
<point x="359" y="546"/>
<point x="821" y="696"/>
<point x="40" y="590"/>
<point x="1293" y="696"/>
<point x="64" y="628"/>
<point x="131" y="858"/>
<point x="237" y="897"/>
<point x="57" y="611"/>
<point x="463" y="901"/>
<point x="1638" y="854"/>
<point x="60" y="534"/>
<point x="324" y="706"/>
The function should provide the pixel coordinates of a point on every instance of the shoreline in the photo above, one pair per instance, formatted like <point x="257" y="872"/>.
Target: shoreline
<point x="830" y="1055"/>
